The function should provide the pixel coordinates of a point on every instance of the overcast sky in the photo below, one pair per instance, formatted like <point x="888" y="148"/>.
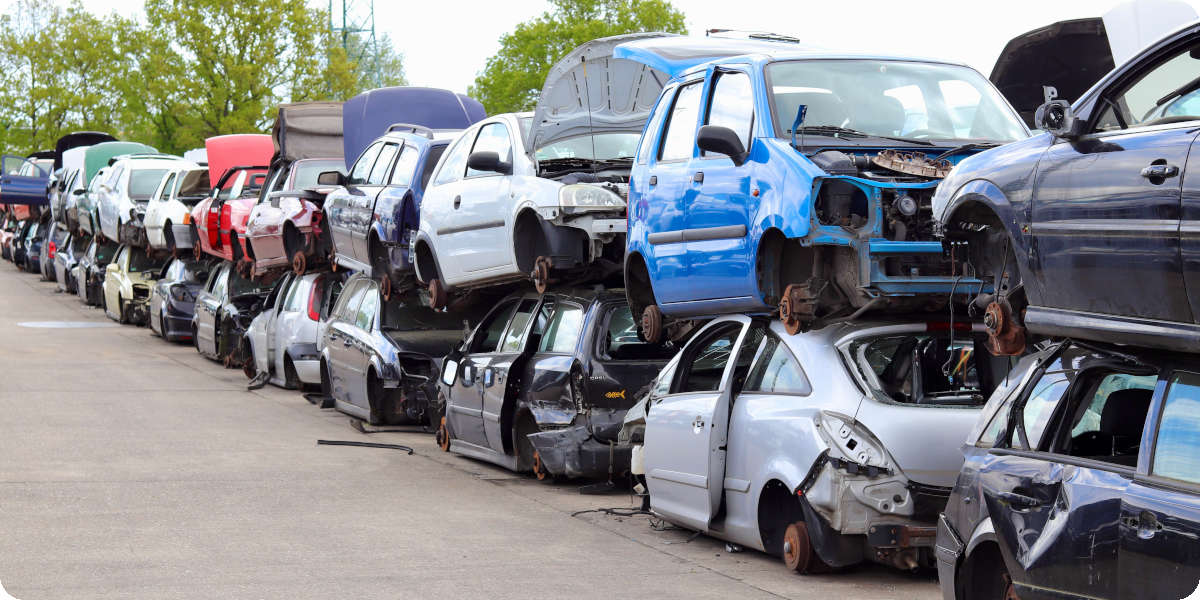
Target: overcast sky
<point x="446" y="42"/>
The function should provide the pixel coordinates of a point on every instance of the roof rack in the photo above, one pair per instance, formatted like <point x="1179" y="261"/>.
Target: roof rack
<point x="752" y="35"/>
<point x="417" y="129"/>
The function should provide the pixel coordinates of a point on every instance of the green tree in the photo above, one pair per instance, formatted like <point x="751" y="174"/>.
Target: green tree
<point x="512" y="78"/>
<point x="26" y="97"/>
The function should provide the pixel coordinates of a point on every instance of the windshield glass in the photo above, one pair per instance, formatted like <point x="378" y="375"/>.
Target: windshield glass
<point x="411" y="315"/>
<point x="929" y="368"/>
<point x="607" y="147"/>
<point x="239" y="285"/>
<point x="139" y="262"/>
<point x="104" y="252"/>
<point x="925" y="101"/>
<point x="305" y="173"/>
<point x="143" y="182"/>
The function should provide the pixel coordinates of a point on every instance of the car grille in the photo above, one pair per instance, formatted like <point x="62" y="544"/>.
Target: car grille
<point x="141" y="292"/>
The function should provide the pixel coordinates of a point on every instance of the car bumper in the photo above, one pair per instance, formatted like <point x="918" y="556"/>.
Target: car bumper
<point x="574" y="452"/>
<point x="308" y="371"/>
<point x="183" y="235"/>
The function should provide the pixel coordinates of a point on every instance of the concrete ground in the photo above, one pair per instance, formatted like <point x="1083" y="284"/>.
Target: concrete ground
<point x="132" y="468"/>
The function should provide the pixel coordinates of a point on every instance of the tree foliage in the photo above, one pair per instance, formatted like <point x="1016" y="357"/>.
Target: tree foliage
<point x="192" y="69"/>
<point x="513" y="78"/>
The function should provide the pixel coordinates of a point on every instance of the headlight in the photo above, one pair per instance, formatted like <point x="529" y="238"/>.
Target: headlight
<point x="852" y="440"/>
<point x="579" y="197"/>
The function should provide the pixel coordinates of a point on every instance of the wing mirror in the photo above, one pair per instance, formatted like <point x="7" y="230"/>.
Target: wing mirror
<point x="721" y="140"/>
<point x="1056" y="118"/>
<point x="79" y="192"/>
<point x="488" y="161"/>
<point x="335" y="178"/>
<point x="450" y="370"/>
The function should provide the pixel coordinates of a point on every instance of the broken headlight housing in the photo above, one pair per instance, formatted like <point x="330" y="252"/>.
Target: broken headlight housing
<point x="853" y="441"/>
<point x="581" y="197"/>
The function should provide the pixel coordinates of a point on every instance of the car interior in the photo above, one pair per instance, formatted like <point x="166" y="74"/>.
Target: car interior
<point x="930" y="368"/>
<point x="1107" y="415"/>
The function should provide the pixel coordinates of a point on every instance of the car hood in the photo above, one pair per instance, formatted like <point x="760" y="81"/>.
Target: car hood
<point x="76" y="140"/>
<point x="368" y="115"/>
<point x="236" y="150"/>
<point x="96" y="157"/>
<point x="308" y="130"/>
<point x="435" y="343"/>
<point x="590" y="90"/>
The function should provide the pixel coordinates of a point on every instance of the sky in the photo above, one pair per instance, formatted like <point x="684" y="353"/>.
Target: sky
<point x="447" y="42"/>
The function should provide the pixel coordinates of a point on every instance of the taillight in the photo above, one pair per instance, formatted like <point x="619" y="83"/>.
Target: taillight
<point x="50" y="250"/>
<point x="314" y="299"/>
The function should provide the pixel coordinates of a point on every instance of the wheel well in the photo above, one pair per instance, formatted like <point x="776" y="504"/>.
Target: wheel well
<point x="291" y="238"/>
<point x="523" y="422"/>
<point x="980" y="570"/>
<point x="529" y="241"/>
<point x="426" y="264"/>
<point x="375" y="248"/>
<point x="987" y="239"/>
<point x="777" y="508"/>
<point x="637" y="284"/>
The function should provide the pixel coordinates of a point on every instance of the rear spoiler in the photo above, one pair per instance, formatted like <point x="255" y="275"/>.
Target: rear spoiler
<point x="409" y="127"/>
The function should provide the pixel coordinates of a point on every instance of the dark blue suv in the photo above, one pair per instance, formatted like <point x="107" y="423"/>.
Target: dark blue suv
<point x="772" y="176"/>
<point x="1092" y="229"/>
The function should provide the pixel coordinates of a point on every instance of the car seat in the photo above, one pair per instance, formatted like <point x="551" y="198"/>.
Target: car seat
<point x="884" y="115"/>
<point x="1120" y="433"/>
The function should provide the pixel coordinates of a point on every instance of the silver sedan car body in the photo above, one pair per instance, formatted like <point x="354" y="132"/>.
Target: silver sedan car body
<point x="850" y="434"/>
<point x="283" y="338"/>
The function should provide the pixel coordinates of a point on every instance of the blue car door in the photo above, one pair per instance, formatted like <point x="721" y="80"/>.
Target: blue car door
<point x="1106" y="205"/>
<point x="719" y="252"/>
<point x="362" y="207"/>
<point x="27" y="186"/>
<point x="665" y="210"/>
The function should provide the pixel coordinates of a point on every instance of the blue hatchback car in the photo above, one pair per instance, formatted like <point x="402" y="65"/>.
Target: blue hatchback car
<point x="773" y="176"/>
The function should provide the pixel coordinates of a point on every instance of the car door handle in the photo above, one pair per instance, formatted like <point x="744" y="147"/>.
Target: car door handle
<point x="346" y="341"/>
<point x="1019" y="501"/>
<point x="654" y="180"/>
<point x="698" y="423"/>
<point x="457" y="201"/>
<point x="1160" y="172"/>
<point x="698" y="177"/>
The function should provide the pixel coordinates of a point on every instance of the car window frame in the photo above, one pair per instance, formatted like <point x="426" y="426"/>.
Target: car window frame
<point x="375" y="147"/>
<point x="666" y="126"/>
<point x="523" y="335"/>
<point x="478" y="134"/>
<point x="406" y="149"/>
<point x="448" y="154"/>
<point x="1145" y="473"/>
<point x="711" y="88"/>
<point x="685" y="360"/>
<point x="761" y="355"/>
<point x="556" y="303"/>
<point x="1121" y="83"/>
<point x="386" y="175"/>
<point x="482" y="330"/>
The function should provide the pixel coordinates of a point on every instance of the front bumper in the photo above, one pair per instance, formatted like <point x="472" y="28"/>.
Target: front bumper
<point x="182" y="235"/>
<point x="574" y="452"/>
<point x="948" y="550"/>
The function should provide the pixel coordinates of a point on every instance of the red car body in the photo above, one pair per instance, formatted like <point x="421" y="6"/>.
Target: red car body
<point x="237" y="166"/>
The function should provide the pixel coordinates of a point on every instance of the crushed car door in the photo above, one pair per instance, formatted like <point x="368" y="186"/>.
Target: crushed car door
<point x="464" y="404"/>
<point x="1054" y="489"/>
<point x="501" y="376"/>
<point x="686" y="430"/>
<point x="362" y="206"/>
<point x="1160" y="514"/>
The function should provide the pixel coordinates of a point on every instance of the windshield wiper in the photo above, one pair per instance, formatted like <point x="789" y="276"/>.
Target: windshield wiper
<point x="854" y="133"/>
<point x="965" y="147"/>
<point x="1186" y="88"/>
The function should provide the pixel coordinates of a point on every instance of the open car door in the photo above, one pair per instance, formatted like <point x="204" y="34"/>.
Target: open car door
<point x="25" y="186"/>
<point x="687" y="429"/>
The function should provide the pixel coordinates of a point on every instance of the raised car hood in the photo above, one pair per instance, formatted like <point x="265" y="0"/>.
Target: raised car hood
<point x="308" y="130"/>
<point x="369" y="114"/>
<point x="1073" y="55"/>
<point x="435" y="344"/>
<point x="674" y="54"/>
<point x="75" y="140"/>
<point x="591" y="91"/>
<point x="237" y="150"/>
<point x="96" y="157"/>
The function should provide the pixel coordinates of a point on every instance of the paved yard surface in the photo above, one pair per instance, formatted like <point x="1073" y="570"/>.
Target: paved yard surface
<point x="131" y="468"/>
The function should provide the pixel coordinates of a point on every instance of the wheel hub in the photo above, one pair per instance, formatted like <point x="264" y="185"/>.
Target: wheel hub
<point x="1005" y="336"/>
<point x="652" y="324"/>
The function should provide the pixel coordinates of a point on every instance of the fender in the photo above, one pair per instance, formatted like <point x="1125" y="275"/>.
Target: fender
<point x="423" y="237"/>
<point x="984" y="532"/>
<point x="785" y="183"/>
<point x="987" y="194"/>
<point x="302" y="351"/>
<point x="386" y="373"/>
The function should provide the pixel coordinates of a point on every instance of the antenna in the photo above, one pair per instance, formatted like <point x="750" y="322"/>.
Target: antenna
<point x="587" y="92"/>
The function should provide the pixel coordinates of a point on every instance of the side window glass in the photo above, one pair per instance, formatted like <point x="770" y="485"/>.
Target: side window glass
<point x="380" y="170"/>
<point x="1177" y="450"/>
<point x="166" y="188"/>
<point x="732" y="105"/>
<point x="777" y="371"/>
<point x="514" y="338"/>
<point x="368" y="308"/>
<point x="362" y="168"/>
<point x="654" y="127"/>
<point x="565" y="327"/>
<point x="621" y="341"/>
<point x="297" y="296"/>
<point x="705" y="367"/>
<point x="487" y="337"/>
<point x="431" y="162"/>
<point x="407" y="163"/>
<point x="662" y="385"/>
<point x="1167" y="93"/>
<point x="1106" y="424"/>
<point x="219" y="286"/>
<point x="493" y="137"/>
<point x="452" y="166"/>
<point x="679" y="140"/>
<point x="347" y="307"/>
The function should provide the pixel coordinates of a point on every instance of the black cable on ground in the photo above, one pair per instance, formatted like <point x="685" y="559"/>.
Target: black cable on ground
<point x="364" y="445"/>
<point x="614" y="512"/>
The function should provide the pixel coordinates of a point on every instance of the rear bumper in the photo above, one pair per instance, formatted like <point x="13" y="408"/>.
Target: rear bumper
<point x="183" y="235"/>
<point x="574" y="452"/>
<point x="308" y="371"/>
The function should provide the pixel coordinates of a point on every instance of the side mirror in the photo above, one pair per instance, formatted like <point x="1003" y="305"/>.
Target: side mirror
<point x="449" y="371"/>
<point x="79" y="192"/>
<point x="721" y="140"/>
<point x="1057" y="118"/>
<point x="488" y="161"/>
<point x="331" y="178"/>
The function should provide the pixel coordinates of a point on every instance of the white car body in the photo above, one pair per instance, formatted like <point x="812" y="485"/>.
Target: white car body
<point x="116" y="206"/>
<point x="167" y="211"/>
<point x="284" y="333"/>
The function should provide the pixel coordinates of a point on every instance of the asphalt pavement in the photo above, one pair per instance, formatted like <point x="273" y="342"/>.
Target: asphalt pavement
<point x="133" y="468"/>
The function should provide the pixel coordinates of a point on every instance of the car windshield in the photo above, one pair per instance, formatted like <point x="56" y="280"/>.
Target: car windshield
<point x="602" y="146"/>
<point x="917" y="100"/>
<point x="239" y="286"/>
<point x="104" y="253"/>
<point x="929" y="368"/>
<point x="143" y="182"/>
<point x="305" y="174"/>
<point x="413" y="316"/>
<point x="140" y="262"/>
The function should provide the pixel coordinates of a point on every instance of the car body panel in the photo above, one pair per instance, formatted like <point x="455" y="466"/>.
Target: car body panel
<point x="368" y="115"/>
<point x="168" y="213"/>
<point x="125" y="195"/>
<point x="284" y="331"/>
<point x="173" y="297"/>
<point x="127" y="282"/>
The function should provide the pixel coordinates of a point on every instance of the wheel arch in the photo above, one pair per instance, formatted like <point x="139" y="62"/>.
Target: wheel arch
<point x="425" y="264"/>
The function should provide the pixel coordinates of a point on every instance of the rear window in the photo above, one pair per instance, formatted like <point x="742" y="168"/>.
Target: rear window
<point x="139" y="262"/>
<point x="928" y="368"/>
<point x="143" y="182"/>
<point x="621" y="341"/>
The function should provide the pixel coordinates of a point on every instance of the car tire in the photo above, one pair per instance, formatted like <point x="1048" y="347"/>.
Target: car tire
<point x="987" y="578"/>
<point x="123" y="312"/>
<point x="375" y="398"/>
<point x="527" y="458"/>
<point x="291" y="380"/>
